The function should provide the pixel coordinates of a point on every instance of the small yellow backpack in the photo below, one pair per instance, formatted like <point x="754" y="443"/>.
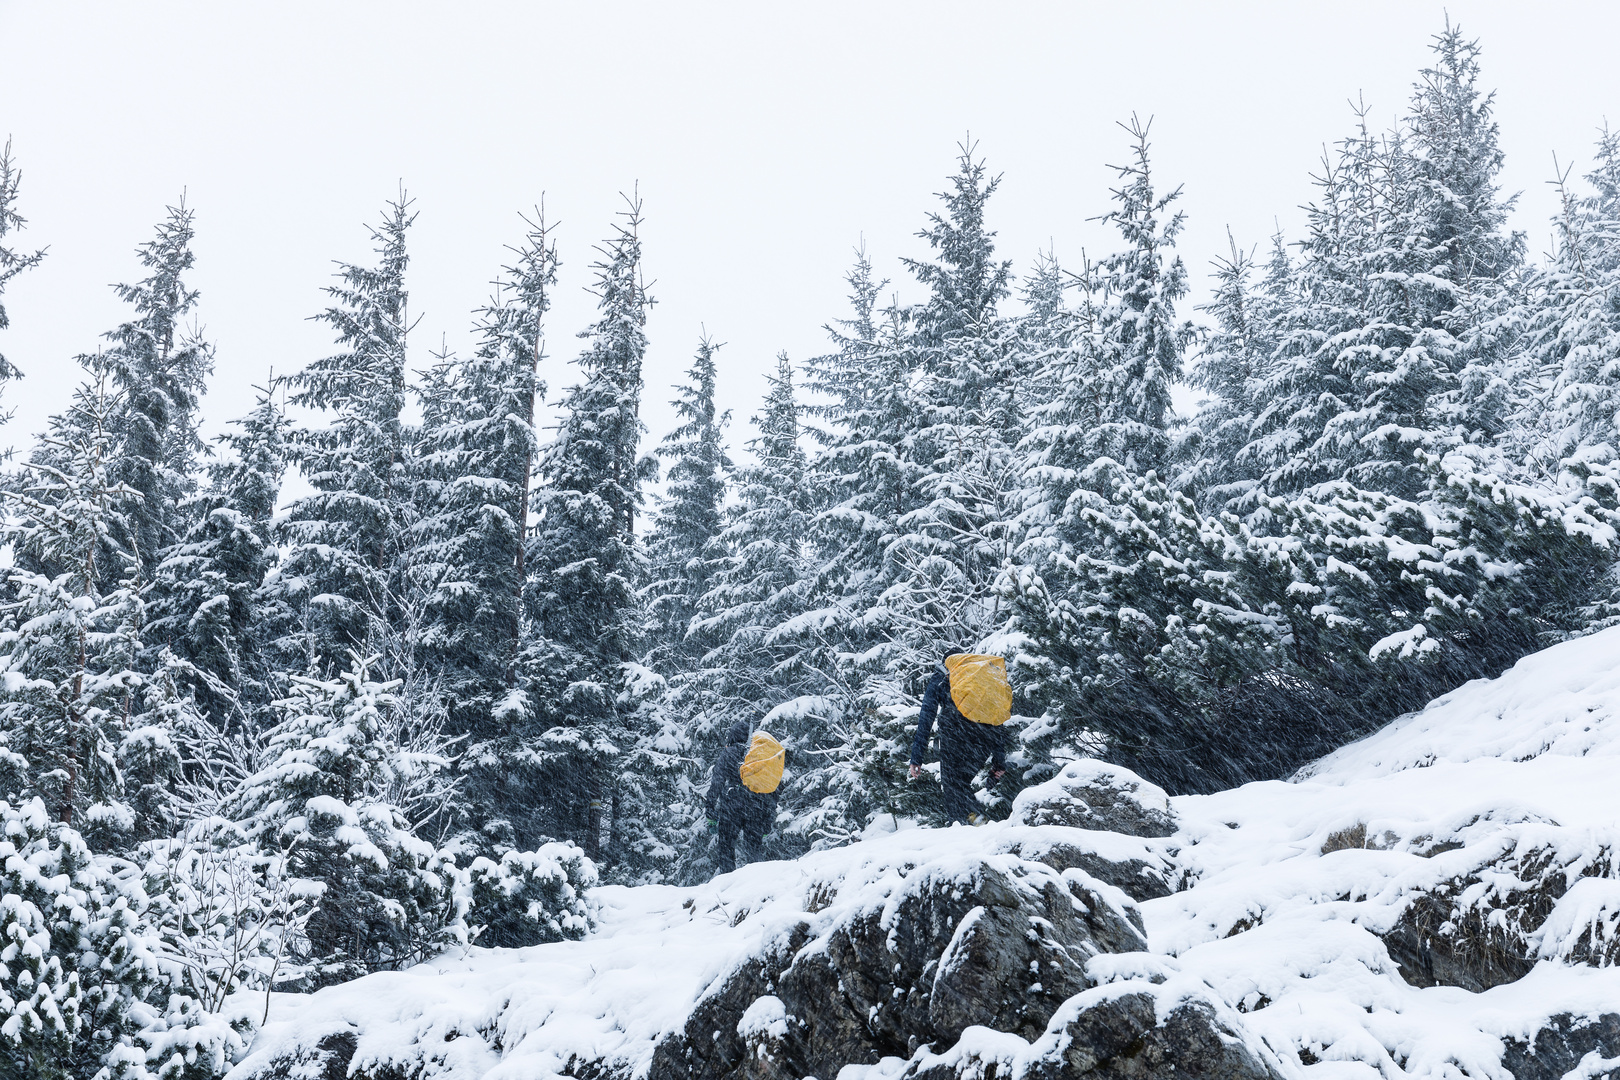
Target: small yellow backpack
<point x="761" y="768"/>
<point x="979" y="687"/>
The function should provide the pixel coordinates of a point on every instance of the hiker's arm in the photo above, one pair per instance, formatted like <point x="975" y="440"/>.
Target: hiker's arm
<point x="925" y="719"/>
<point x="713" y="795"/>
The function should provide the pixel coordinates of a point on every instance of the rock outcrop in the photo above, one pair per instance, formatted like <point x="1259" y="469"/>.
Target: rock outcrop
<point x="1129" y="1031"/>
<point x="1091" y="794"/>
<point x="1568" y="1048"/>
<point x="1019" y="951"/>
<point x="1001" y="943"/>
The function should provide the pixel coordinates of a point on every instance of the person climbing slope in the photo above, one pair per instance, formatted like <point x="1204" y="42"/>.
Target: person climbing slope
<point x="742" y="793"/>
<point x="969" y="695"/>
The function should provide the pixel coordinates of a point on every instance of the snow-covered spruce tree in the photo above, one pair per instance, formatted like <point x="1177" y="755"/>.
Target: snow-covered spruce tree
<point x="67" y="646"/>
<point x="476" y="452"/>
<point x="1569" y="416"/>
<point x="653" y="798"/>
<point x="1089" y="464"/>
<point x="1406" y="299"/>
<point x="1565" y="426"/>
<point x="1143" y="344"/>
<point x="1462" y="215"/>
<point x="341" y="543"/>
<point x="756" y="584"/>
<point x="1392" y="385"/>
<point x="1233" y="357"/>
<point x="1042" y="327"/>
<point x="12" y="261"/>
<point x="345" y="791"/>
<point x="948" y="552"/>
<point x="682" y="556"/>
<point x="584" y="565"/>
<point x="945" y="556"/>
<point x="205" y="604"/>
<point x="1340" y="351"/>
<point x="1110" y="372"/>
<point x="863" y="480"/>
<point x="158" y="368"/>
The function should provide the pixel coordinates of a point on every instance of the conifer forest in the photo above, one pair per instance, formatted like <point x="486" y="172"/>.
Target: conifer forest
<point x="480" y="658"/>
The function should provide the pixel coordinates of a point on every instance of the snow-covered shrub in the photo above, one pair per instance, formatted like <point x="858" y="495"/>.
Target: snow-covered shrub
<point x="531" y="897"/>
<point x="40" y="994"/>
<point x="224" y="914"/>
<point x="337" y="763"/>
<point x="85" y="989"/>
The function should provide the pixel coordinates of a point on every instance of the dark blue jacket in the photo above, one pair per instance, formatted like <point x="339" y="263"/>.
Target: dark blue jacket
<point x="958" y="736"/>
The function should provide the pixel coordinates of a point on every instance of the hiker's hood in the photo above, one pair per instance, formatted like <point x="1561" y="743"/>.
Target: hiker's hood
<point x="738" y="732"/>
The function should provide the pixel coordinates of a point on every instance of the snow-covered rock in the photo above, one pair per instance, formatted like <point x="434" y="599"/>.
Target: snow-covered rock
<point x="1091" y="794"/>
<point x="1435" y="900"/>
<point x="1439" y="900"/>
<point x="844" y="957"/>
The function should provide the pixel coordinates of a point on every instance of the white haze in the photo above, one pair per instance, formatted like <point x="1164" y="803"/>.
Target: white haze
<point x="766" y="140"/>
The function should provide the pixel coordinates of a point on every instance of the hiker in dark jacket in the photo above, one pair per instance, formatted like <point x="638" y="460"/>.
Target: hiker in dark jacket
<point x="963" y="745"/>
<point x="732" y="807"/>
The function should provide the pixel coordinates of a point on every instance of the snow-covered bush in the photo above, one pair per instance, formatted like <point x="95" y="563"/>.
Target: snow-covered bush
<point x="383" y="897"/>
<point x="225" y="915"/>
<point x="531" y="897"/>
<point x="86" y="990"/>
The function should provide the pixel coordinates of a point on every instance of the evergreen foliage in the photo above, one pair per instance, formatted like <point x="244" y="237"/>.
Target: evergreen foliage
<point x="682" y="555"/>
<point x="206" y="604"/>
<point x="71" y="648"/>
<point x="158" y="369"/>
<point x="12" y="261"/>
<point x="345" y="791"/>
<point x="475" y="454"/>
<point x="341" y="542"/>
<point x="445" y="693"/>
<point x="584" y="558"/>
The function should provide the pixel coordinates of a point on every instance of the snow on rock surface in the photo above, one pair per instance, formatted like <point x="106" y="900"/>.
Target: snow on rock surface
<point x="1430" y="901"/>
<point x="1441" y="899"/>
<point x="680" y="982"/>
<point x="1091" y="794"/>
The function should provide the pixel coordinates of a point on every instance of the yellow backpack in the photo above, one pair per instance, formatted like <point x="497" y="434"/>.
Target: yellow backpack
<point x="761" y="768"/>
<point x="979" y="687"/>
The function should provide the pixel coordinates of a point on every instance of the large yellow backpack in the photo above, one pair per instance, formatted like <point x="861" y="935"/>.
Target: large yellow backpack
<point x="979" y="687"/>
<point x="761" y="768"/>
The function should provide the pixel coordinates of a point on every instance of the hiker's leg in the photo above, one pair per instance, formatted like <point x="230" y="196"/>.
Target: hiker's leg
<point x="956" y="776"/>
<point x="753" y="834"/>
<point x="725" y="841"/>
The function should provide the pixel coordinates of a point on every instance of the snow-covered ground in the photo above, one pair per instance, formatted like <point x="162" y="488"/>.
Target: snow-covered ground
<point x="1481" y="799"/>
<point x="1516" y="770"/>
<point x="510" y="1013"/>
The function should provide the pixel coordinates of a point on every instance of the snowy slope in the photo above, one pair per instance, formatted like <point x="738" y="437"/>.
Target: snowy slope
<point x="1509" y="786"/>
<point x="1474" y="840"/>
<point x="504" y="1014"/>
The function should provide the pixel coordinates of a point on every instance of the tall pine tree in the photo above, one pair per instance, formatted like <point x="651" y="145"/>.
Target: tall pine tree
<point x="682" y="552"/>
<point x="584" y="560"/>
<point x="12" y="261"/>
<point x="207" y="604"/>
<point x="159" y="368"/>
<point x="342" y="542"/>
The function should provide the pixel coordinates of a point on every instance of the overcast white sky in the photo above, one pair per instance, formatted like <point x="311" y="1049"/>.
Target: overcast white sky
<point x="767" y="139"/>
